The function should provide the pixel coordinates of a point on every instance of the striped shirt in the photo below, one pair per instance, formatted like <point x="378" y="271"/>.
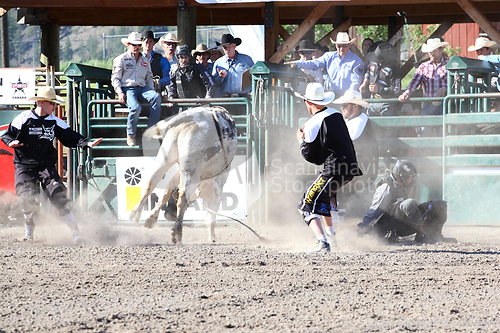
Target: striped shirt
<point x="431" y="76"/>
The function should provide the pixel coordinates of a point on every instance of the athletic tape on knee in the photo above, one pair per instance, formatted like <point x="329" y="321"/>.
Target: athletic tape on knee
<point x="309" y="217"/>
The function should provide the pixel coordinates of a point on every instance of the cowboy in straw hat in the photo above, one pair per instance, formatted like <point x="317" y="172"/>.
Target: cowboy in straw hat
<point x="160" y="66"/>
<point x="337" y="64"/>
<point x="382" y="78"/>
<point x="321" y="138"/>
<point x="217" y="52"/>
<point x="32" y="134"/>
<point x="47" y="94"/>
<point x="132" y="78"/>
<point x="134" y="38"/>
<point x="228" y="70"/>
<point x="202" y="54"/>
<point x="482" y="46"/>
<point x="432" y="76"/>
<point x="361" y="131"/>
<point x="169" y="43"/>
<point x="351" y="98"/>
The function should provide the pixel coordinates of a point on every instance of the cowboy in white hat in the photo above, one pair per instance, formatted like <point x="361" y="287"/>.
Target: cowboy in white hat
<point x="337" y="64"/>
<point x="323" y="139"/>
<point x="228" y="70"/>
<point x="160" y="66"/>
<point x="202" y="55"/>
<point x="355" y="198"/>
<point x="169" y="43"/>
<point x="132" y="79"/>
<point x="32" y="134"/>
<point x="432" y="76"/>
<point x="482" y="46"/>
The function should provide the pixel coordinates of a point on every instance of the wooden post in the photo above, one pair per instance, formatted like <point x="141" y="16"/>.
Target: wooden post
<point x="5" y="40"/>
<point x="50" y="46"/>
<point x="272" y="28"/>
<point x="186" y="25"/>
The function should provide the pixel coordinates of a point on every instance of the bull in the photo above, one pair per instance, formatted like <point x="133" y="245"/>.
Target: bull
<point x="199" y="144"/>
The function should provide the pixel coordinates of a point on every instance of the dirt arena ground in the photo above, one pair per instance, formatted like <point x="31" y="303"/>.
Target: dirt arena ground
<point x="130" y="279"/>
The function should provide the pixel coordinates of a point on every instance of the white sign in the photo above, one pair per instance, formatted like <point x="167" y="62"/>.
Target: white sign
<point x="17" y="85"/>
<point x="132" y="173"/>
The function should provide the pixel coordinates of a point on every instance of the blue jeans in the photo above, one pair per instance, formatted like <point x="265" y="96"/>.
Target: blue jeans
<point x="430" y="109"/>
<point x="133" y="94"/>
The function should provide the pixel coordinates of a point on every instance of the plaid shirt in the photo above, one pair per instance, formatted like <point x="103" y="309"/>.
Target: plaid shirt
<point x="432" y="77"/>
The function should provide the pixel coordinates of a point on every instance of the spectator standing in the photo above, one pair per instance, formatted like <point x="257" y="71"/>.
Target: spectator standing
<point x="383" y="78"/>
<point x="217" y="52"/>
<point x="305" y="48"/>
<point x="324" y="140"/>
<point x="189" y="80"/>
<point x="228" y="70"/>
<point x="32" y="134"/>
<point x="169" y="43"/>
<point x="132" y="80"/>
<point x="160" y="66"/>
<point x="482" y="46"/>
<point x="345" y="69"/>
<point x="202" y="56"/>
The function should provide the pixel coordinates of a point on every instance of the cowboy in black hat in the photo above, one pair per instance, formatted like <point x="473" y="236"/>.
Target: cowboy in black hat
<point x="160" y="66"/>
<point x="306" y="48"/>
<point x="228" y="70"/>
<point x="383" y="78"/>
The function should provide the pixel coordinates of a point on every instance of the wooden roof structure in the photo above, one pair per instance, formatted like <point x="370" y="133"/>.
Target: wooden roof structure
<point x="271" y="14"/>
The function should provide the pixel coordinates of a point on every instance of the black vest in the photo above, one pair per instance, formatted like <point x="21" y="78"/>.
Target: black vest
<point x="156" y="65"/>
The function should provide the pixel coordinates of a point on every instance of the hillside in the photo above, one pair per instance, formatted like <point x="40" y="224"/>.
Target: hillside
<point x="82" y="43"/>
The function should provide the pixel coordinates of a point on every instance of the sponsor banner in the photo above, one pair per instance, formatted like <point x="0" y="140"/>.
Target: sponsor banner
<point x="17" y="85"/>
<point x="132" y="173"/>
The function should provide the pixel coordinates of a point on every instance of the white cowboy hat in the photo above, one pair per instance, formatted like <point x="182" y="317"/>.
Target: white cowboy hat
<point x="47" y="94"/>
<point x="343" y="38"/>
<point x="480" y="43"/>
<point x="354" y="97"/>
<point x="200" y="49"/>
<point x="432" y="44"/>
<point x="134" y="38"/>
<point x="168" y="38"/>
<point x="316" y="94"/>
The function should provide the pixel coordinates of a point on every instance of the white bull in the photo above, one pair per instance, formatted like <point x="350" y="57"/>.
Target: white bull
<point x="202" y="143"/>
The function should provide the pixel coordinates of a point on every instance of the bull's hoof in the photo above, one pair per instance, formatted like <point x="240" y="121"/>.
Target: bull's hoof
<point x="449" y="240"/>
<point x="150" y="223"/>
<point x="177" y="237"/>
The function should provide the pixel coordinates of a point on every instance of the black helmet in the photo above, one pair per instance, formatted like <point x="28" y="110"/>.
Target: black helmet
<point x="403" y="171"/>
<point x="182" y="50"/>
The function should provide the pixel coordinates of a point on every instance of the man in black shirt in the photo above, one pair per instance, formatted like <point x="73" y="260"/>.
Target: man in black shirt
<point x="32" y="135"/>
<point x="324" y="140"/>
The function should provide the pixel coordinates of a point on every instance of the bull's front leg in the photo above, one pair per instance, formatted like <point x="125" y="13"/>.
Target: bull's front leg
<point x="153" y="218"/>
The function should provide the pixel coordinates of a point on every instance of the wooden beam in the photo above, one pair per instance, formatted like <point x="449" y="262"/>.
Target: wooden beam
<point x="440" y="31"/>
<point x="283" y="33"/>
<point x="309" y="22"/>
<point x="332" y="34"/>
<point x="397" y="36"/>
<point x="480" y="19"/>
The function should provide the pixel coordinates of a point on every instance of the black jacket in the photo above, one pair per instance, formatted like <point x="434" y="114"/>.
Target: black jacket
<point x="327" y="142"/>
<point x="38" y="134"/>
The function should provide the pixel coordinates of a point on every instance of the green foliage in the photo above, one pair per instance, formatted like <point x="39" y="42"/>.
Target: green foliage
<point x="107" y="64"/>
<point x="375" y="32"/>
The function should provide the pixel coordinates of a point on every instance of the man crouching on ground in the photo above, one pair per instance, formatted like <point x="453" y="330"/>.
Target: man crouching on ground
<point x="394" y="213"/>
<point x="324" y="139"/>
